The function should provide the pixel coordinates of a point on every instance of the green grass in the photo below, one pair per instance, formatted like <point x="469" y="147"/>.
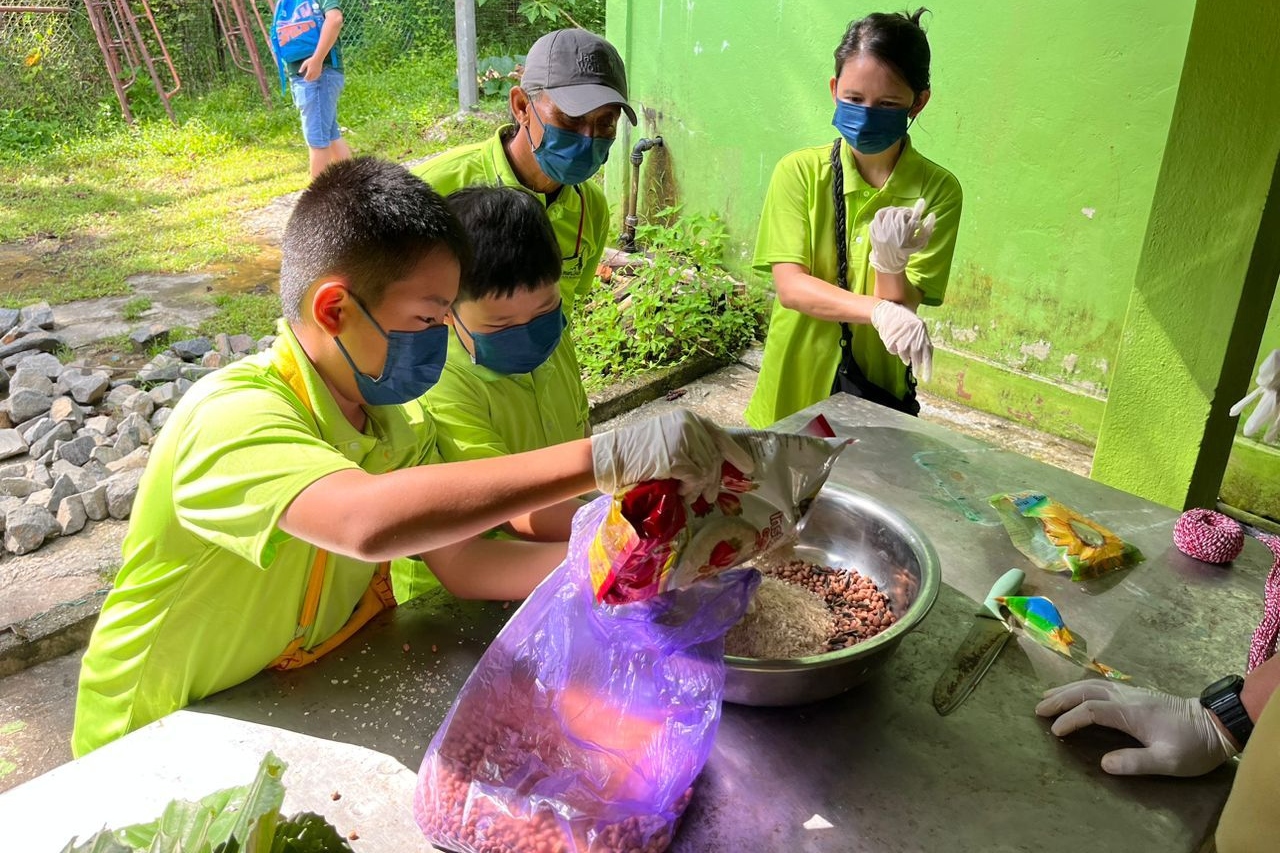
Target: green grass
<point x="157" y="198"/>
<point x="135" y="308"/>
<point x="251" y="314"/>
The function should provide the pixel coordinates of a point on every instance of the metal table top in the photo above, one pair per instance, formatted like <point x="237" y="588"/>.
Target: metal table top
<point x="879" y="764"/>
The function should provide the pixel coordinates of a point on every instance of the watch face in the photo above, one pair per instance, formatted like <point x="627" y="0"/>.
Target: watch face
<point x="1223" y="685"/>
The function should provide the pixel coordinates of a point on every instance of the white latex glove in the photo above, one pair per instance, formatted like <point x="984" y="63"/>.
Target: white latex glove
<point x="904" y="334"/>
<point x="1180" y="736"/>
<point x="1267" y="412"/>
<point x="897" y="233"/>
<point x="678" y="445"/>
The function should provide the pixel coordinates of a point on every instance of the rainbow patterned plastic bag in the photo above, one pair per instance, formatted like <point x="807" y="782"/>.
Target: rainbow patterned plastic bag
<point x="1057" y="538"/>
<point x="1038" y="618"/>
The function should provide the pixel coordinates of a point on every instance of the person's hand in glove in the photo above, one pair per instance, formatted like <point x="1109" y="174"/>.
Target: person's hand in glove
<point x="1180" y="737"/>
<point x="678" y="445"/>
<point x="904" y="334"/>
<point x="1267" y="412"/>
<point x="897" y="233"/>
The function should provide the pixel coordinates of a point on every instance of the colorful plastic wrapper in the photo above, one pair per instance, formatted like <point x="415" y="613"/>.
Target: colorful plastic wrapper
<point x="1057" y="538"/>
<point x="583" y="726"/>
<point x="1038" y="618"/>
<point x="653" y="540"/>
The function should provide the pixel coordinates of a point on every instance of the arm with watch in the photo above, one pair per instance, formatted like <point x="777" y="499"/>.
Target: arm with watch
<point x="1180" y="736"/>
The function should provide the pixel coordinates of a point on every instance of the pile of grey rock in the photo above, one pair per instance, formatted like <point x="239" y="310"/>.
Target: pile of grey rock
<point x="75" y="439"/>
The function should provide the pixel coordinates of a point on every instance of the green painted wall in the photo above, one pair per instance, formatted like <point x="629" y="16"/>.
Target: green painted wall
<point x="1053" y="116"/>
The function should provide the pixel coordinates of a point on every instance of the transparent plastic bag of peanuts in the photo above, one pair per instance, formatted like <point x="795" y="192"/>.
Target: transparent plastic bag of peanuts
<point x="583" y="726"/>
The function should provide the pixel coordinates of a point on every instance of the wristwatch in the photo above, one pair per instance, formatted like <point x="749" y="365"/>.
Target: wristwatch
<point x="1223" y="699"/>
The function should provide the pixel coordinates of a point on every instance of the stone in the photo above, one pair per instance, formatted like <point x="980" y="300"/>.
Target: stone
<point x="42" y="361"/>
<point x="8" y="319"/>
<point x="106" y="455"/>
<point x="46" y="458"/>
<point x="40" y="474"/>
<point x="160" y="418"/>
<point x="24" y="405"/>
<point x="17" y="487"/>
<point x="63" y="487"/>
<point x="39" y="314"/>
<point x="31" y="379"/>
<point x="44" y="444"/>
<point x="11" y="353"/>
<point x="139" y="403"/>
<point x="212" y="359"/>
<point x="121" y="490"/>
<point x="40" y="498"/>
<point x="144" y="336"/>
<point x="11" y="443"/>
<point x="71" y="515"/>
<point x="192" y="349"/>
<point x="15" y="469"/>
<point x="97" y="470"/>
<point x="66" y="410"/>
<point x="101" y="424"/>
<point x="265" y="342"/>
<point x="27" y="527"/>
<point x="83" y="480"/>
<point x="5" y="421"/>
<point x="156" y="373"/>
<point x="24" y="327"/>
<point x="136" y="459"/>
<point x="137" y="425"/>
<point x="85" y="388"/>
<point x="242" y="344"/>
<point x="95" y="502"/>
<point x="192" y="373"/>
<point x="4" y="382"/>
<point x="6" y="506"/>
<point x="222" y="343"/>
<point x="33" y="429"/>
<point x="165" y="395"/>
<point x="183" y="384"/>
<point x="76" y="451"/>
<point x="120" y="393"/>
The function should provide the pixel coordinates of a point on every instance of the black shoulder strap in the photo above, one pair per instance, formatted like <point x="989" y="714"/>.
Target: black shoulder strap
<point x="842" y="245"/>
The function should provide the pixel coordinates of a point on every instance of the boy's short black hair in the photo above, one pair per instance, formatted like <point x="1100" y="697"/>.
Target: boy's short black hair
<point x="369" y="222"/>
<point x="515" y="248"/>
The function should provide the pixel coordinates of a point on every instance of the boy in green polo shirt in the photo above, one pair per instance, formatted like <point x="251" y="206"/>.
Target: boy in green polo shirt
<point x="284" y="484"/>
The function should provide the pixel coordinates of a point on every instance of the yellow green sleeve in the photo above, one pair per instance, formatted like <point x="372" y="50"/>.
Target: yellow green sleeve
<point x="930" y="268"/>
<point x="784" y="221"/>
<point x="233" y="479"/>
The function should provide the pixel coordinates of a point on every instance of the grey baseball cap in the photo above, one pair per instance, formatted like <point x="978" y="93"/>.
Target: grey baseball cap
<point x="579" y="70"/>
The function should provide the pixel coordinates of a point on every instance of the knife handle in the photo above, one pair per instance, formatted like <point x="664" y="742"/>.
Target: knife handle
<point x="1007" y="584"/>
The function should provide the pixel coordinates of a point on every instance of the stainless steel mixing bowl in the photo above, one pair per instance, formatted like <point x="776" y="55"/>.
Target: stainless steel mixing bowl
<point x="846" y="529"/>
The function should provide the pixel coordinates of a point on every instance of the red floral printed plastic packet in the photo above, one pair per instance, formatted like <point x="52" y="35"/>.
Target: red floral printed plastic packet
<point x="652" y="540"/>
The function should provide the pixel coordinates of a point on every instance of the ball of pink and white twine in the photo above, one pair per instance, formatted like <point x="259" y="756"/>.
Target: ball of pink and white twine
<point x="1264" y="638"/>
<point x="1208" y="536"/>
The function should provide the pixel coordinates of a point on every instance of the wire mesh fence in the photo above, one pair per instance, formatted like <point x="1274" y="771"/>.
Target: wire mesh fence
<point x="51" y="66"/>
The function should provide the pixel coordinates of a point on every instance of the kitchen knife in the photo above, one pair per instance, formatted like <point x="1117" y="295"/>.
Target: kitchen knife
<point x="979" y="650"/>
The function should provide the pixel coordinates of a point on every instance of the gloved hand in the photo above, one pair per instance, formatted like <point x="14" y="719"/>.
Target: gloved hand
<point x="1180" y="736"/>
<point x="678" y="445"/>
<point x="904" y="334"/>
<point x="1268" y="396"/>
<point x="897" y="233"/>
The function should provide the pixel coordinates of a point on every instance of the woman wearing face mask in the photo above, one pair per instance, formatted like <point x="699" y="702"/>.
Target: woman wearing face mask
<point x="566" y="110"/>
<point x="845" y="235"/>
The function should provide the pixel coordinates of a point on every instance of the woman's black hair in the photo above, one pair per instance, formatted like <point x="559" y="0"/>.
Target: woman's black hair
<point x="894" y="38"/>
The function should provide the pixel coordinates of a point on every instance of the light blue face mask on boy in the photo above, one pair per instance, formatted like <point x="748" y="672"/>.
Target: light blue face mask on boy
<point x="566" y="157"/>
<point x="517" y="349"/>
<point x="414" y="363"/>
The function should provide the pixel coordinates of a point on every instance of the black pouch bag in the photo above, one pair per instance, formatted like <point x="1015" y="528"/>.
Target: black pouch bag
<point x="850" y="379"/>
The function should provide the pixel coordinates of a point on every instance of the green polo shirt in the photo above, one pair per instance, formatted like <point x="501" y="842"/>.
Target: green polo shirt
<point x="485" y="163"/>
<point x="211" y="589"/>
<point x="797" y="225"/>
<point x="482" y="413"/>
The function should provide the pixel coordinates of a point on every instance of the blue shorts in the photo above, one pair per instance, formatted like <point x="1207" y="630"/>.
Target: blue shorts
<point x="318" y="102"/>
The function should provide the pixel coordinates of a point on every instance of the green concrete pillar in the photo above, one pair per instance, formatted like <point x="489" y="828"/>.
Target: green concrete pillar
<point x="1208" y="270"/>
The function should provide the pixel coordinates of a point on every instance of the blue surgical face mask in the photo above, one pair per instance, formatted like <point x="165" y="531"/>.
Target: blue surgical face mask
<point x="870" y="130"/>
<point x="566" y="157"/>
<point x="517" y="349"/>
<point x="414" y="362"/>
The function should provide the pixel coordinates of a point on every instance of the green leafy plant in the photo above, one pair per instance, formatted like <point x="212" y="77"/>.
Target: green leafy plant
<point x="135" y="308"/>
<point x="679" y="305"/>
<point x="243" y="819"/>
<point x="496" y="75"/>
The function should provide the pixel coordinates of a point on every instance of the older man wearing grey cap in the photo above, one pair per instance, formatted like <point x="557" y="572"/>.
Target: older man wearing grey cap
<point x="566" y="111"/>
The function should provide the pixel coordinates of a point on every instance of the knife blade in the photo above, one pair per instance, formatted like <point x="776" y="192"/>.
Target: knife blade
<point x="979" y="649"/>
